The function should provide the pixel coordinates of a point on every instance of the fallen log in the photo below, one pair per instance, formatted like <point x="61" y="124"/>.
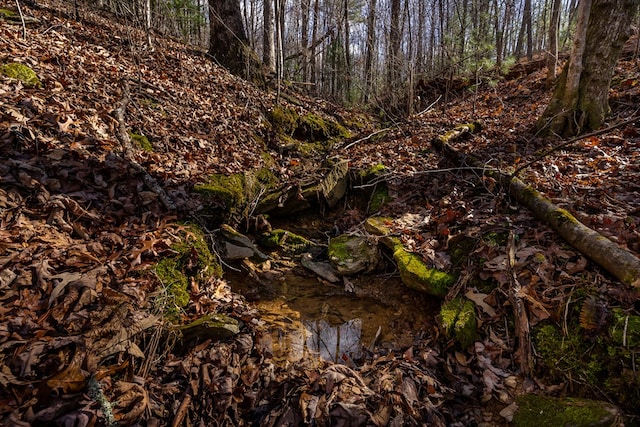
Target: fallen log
<point x="621" y="263"/>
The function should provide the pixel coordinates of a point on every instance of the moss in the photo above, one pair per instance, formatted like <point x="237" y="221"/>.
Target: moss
<point x="8" y="14"/>
<point x="534" y="411"/>
<point x="571" y="356"/>
<point x="141" y="141"/>
<point x="379" y="198"/>
<point x="22" y="73"/>
<point x="460" y="247"/>
<point x="494" y="238"/>
<point x="284" y="120"/>
<point x="193" y="260"/>
<point x="174" y="281"/>
<point x="458" y="319"/>
<point x="286" y="240"/>
<point x="625" y="329"/>
<point x="352" y="254"/>
<point x="415" y="274"/>
<point x="227" y="188"/>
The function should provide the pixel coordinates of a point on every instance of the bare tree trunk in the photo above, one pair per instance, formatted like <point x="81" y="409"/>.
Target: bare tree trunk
<point x="368" y="62"/>
<point x="394" y="45"/>
<point x="268" y="43"/>
<point x="347" y="53"/>
<point x="552" y="48"/>
<point x="314" y="40"/>
<point x="304" y="39"/>
<point x="526" y="22"/>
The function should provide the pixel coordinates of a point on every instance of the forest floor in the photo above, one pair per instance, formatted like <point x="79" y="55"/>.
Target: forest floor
<point x="82" y="333"/>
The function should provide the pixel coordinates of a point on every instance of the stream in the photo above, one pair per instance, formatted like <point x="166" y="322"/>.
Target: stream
<point x="310" y="319"/>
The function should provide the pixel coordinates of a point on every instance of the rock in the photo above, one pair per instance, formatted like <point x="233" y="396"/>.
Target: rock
<point x="413" y="271"/>
<point x="353" y="254"/>
<point x="285" y="240"/>
<point x="458" y="319"/>
<point x="211" y="326"/>
<point x="239" y="245"/>
<point x="534" y="411"/>
<point x="380" y="226"/>
<point x="417" y="275"/>
<point x="334" y="185"/>
<point x="322" y="269"/>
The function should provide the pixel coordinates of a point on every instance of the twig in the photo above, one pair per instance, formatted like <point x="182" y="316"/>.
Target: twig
<point x="182" y="410"/>
<point x="429" y="107"/>
<point x="24" y="25"/>
<point x="368" y="137"/>
<point x="573" y="140"/>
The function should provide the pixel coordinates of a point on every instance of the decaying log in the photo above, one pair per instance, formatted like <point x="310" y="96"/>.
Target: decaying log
<point x="621" y="263"/>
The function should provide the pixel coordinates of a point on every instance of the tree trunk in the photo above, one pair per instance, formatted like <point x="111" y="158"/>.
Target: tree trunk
<point x="368" y="62"/>
<point x="304" y="39"/>
<point x="552" y="48"/>
<point x="268" y="43"/>
<point x="228" y="43"/>
<point x="394" y="45"/>
<point x="580" y="100"/>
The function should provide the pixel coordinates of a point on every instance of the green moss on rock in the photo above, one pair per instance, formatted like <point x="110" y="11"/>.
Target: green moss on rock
<point x="174" y="281"/>
<point x="379" y="198"/>
<point x="22" y="73"/>
<point x="352" y="254"/>
<point x="417" y="275"/>
<point x="534" y="411"/>
<point x="458" y="320"/>
<point x="285" y="240"/>
<point x="193" y="260"/>
<point x="141" y="141"/>
<point x="227" y="188"/>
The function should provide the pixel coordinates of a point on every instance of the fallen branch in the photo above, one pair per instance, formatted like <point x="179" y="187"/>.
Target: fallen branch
<point x="128" y="151"/>
<point x="574" y="140"/>
<point x="367" y="137"/>
<point x="525" y="354"/>
<point x="621" y="263"/>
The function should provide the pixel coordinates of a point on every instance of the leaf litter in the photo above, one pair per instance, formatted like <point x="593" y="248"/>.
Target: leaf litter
<point x="80" y="338"/>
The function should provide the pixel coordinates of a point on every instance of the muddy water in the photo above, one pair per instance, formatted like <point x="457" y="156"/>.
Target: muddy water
<point x="310" y="319"/>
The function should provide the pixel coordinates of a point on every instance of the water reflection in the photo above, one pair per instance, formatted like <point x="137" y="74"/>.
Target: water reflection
<point x="317" y="338"/>
<point x="310" y="320"/>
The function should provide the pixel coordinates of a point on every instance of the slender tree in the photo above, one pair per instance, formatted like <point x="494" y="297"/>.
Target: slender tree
<point x="368" y="62"/>
<point x="268" y="42"/>
<point x="552" y="48"/>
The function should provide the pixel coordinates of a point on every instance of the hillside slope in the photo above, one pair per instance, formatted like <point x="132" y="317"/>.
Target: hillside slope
<point x="91" y="330"/>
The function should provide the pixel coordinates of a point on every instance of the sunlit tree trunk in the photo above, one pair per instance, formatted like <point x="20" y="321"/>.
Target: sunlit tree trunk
<point x="268" y="43"/>
<point x="580" y="99"/>
<point x="314" y="40"/>
<point x="552" y="48"/>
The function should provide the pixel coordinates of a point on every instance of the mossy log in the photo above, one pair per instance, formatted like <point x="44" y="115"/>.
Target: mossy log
<point x="619" y="262"/>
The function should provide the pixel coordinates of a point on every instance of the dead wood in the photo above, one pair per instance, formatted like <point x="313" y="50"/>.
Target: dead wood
<point x="621" y="263"/>
<point x="525" y="353"/>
